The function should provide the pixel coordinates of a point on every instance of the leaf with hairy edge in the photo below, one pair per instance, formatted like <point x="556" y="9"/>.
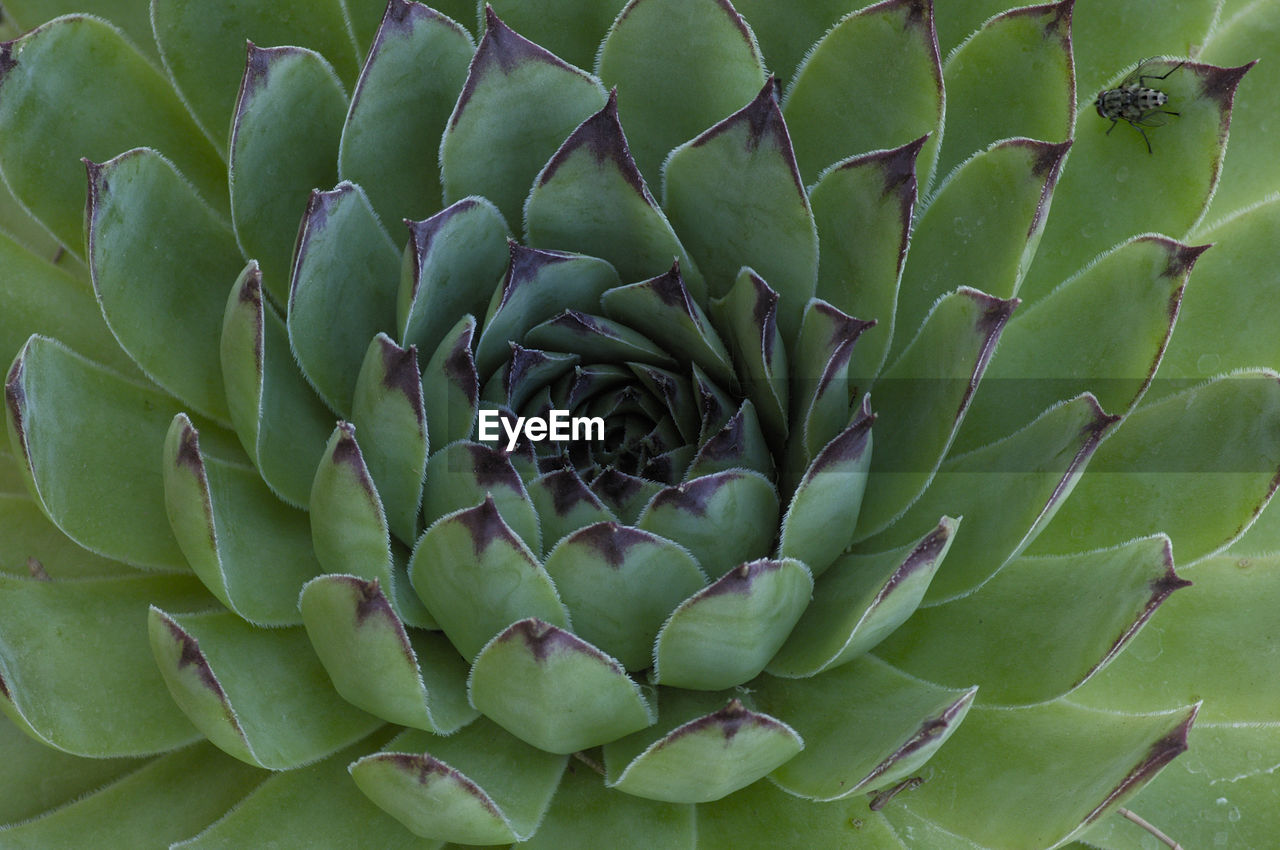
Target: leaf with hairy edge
<point x="476" y="577"/>
<point x="25" y="529"/>
<point x="922" y="398"/>
<point x="1103" y="35"/>
<point x="463" y="475"/>
<point x="1017" y="74"/>
<point x="596" y="340"/>
<point x="625" y="495"/>
<point x="842" y="103"/>
<point x="342" y="292"/>
<point x="554" y="690"/>
<point x="280" y="421"/>
<point x="412" y="678"/>
<point x="57" y="635"/>
<point x="866" y="726"/>
<point x="278" y="712"/>
<point x="861" y="600"/>
<point x="288" y="93"/>
<point x="1041" y="626"/>
<point x="746" y="162"/>
<point x="167" y="799"/>
<point x="963" y="236"/>
<point x="450" y="386"/>
<point x="1008" y="491"/>
<point x="740" y="444"/>
<point x="591" y="198"/>
<point x="518" y="104"/>
<point x="388" y="414"/>
<point x="565" y="504"/>
<point x="1087" y="762"/>
<point x="1115" y="189"/>
<point x="479" y="786"/>
<point x="820" y="371"/>
<point x="701" y="749"/>
<point x="314" y="806"/>
<point x="570" y="30"/>
<point x="763" y="815"/>
<point x="1133" y="295"/>
<point x="407" y="88"/>
<point x="160" y="259"/>
<point x="123" y="102"/>
<point x="863" y="208"/>
<point x="748" y="317"/>
<point x="451" y="265"/>
<point x="1154" y="474"/>
<point x="252" y="551"/>
<point x="695" y="61"/>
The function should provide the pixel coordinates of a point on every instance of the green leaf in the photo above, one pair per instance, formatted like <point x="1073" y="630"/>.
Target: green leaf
<point x="787" y="32"/>
<point x="121" y="102"/>
<point x="692" y="757"/>
<point x="462" y="475"/>
<point x="166" y="800"/>
<point x="726" y="633"/>
<point x="570" y="30"/>
<point x="872" y="196"/>
<point x="1115" y="189"/>
<point x="252" y="551"/>
<point x="343" y="291"/>
<point x="565" y="504"/>
<point x="820" y="371"/>
<point x="132" y="18"/>
<point x="1131" y="295"/>
<point x="1104" y="35"/>
<point x="161" y="259"/>
<point x="625" y="495"/>
<point x="476" y="577"/>
<point x="203" y="48"/>
<point x="921" y="399"/>
<point x="723" y="519"/>
<point x="479" y="786"/>
<point x="861" y="600"/>
<point x="407" y="88"/>
<point x="749" y="318"/>
<point x="281" y="422"/>
<point x="1087" y="762"/>
<point x="591" y="198"/>
<point x="763" y="815"/>
<point x="740" y="444"/>
<point x="866" y="726"/>
<point x="1153" y="474"/>
<point x="411" y="678"/>
<point x="284" y="142"/>
<point x="843" y="103"/>
<point x="1041" y="626"/>
<point x="554" y="690"/>
<point x="450" y="386"/>
<point x="24" y="530"/>
<point x="983" y="224"/>
<point x="260" y="696"/>
<point x="1017" y="74"/>
<point x="620" y="584"/>
<point x="518" y="104"/>
<point x="596" y="340"/>
<point x="57" y="635"/>
<point x="746" y="162"/>
<point x="679" y="67"/>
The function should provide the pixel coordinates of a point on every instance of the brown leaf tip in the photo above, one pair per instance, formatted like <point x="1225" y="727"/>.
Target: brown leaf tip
<point x="346" y="450"/>
<point x="671" y="291"/>
<point x="506" y="48"/>
<point x="617" y="487"/>
<point x="544" y="640"/>
<point x="1183" y="258"/>
<point x="729" y="441"/>
<point x="460" y="366"/>
<point x="486" y="526"/>
<point x="15" y="398"/>
<point x="612" y="541"/>
<point x="849" y="446"/>
<point x="741" y="578"/>
<point x="189" y="450"/>
<point x="1048" y="160"/>
<point x="400" y="14"/>
<point x="602" y="136"/>
<point x="1219" y="84"/>
<point x="7" y="62"/>
<point x="370" y="600"/>
<point x="693" y="496"/>
<point x="400" y="371"/>
<point x="491" y="468"/>
<point x="257" y="67"/>
<point x="568" y="490"/>
<point x="191" y="656"/>
<point x="1160" y="754"/>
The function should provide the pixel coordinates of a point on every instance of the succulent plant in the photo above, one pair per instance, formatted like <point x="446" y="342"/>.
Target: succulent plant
<point x="877" y="545"/>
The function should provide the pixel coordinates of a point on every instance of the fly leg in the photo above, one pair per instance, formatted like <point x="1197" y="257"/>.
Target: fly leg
<point x="1134" y="125"/>
<point x="1112" y="127"/>
<point x="1142" y="79"/>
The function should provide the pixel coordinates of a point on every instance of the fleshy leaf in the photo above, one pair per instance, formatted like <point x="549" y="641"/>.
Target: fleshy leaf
<point x="462" y="475"/>
<point x="26" y="531"/>
<point x="570" y="30"/>
<point x="861" y="600"/>
<point x="160" y="259"/>
<point x="596" y="340"/>
<point x="565" y="504"/>
<point x="866" y="726"/>
<point x="591" y="198"/>
<point x="1153" y="474"/>
<point x="343" y="291"/>
<point x="723" y="519"/>
<point x="739" y="444"/>
<point x="407" y="89"/>
<point x="554" y="690"/>
<point x="1017" y="73"/>
<point x="696" y="757"/>
<point x="411" y="678"/>
<point x="479" y="786"/>
<point x="57" y="635"/>
<point x="252" y="551"/>
<point x="726" y="633"/>
<point x="518" y="104"/>
<point x="476" y="577"/>
<point x="762" y="814"/>
<point x="280" y="421"/>
<point x="278" y="712"/>
<point x="679" y="66"/>
<point x="287" y="94"/>
<point x="625" y="495"/>
<point x="1039" y="628"/>
<point x="922" y="399"/>
<point x="450" y="386"/>
<point x="749" y="317"/>
<point x="843" y="103"/>
<point x="746" y="162"/>
<point x="820" y="373"/>
<point x="122" y="102"/>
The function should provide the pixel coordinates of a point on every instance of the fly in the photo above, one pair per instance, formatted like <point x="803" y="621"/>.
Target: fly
<point x="1136" y="103"/>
